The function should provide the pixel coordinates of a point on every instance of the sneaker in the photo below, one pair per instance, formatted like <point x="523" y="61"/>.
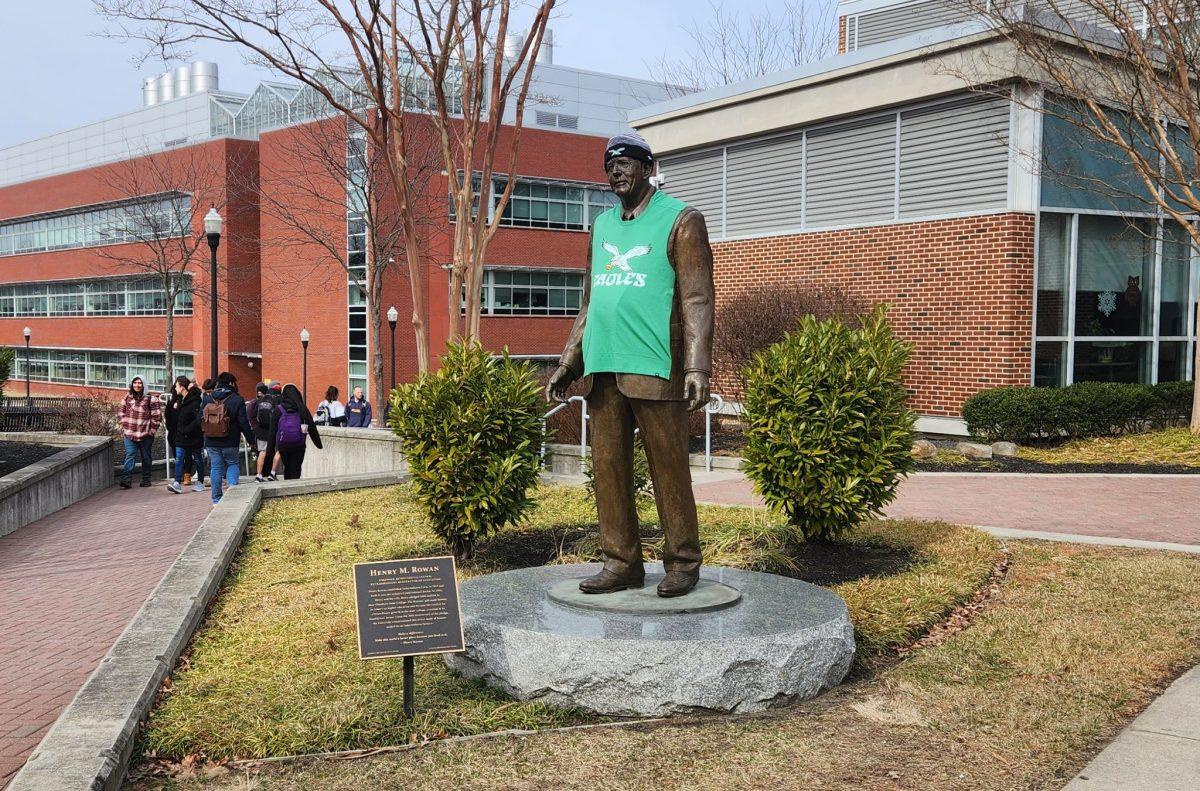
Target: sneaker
<point x="174" y="488"/>
<point x="198" y="486"/>
<point x="126" y="485"/>
<point x="272" y="477"/>
<point x="145" y="484"/>
<point x="259" y="479"/>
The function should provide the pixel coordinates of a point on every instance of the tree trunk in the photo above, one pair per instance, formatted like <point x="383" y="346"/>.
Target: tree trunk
<point x="169" y="346"/>
<point x="1196" y="393"/>
<point x="374" y="304"/>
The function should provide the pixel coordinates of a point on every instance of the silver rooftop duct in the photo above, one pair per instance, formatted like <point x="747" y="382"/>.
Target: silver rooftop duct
<point x="185" y="80"/>
<point x="150" y="91"/>
<point x="545" y="54"/>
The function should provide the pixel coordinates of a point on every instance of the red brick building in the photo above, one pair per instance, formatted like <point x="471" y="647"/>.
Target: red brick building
<point x="916" y="168"/>
<point x="73" y="207"/>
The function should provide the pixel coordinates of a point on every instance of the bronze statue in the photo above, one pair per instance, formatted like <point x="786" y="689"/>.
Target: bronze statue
<point x="643" y="343"/>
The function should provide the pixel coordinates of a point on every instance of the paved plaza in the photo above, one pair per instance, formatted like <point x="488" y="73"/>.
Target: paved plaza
<point x="71" y="583"/>
<point x="1159" y="508"/>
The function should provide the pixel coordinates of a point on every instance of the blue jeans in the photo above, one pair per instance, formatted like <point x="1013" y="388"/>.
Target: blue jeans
<point x="197" y="457"/>
<point x="138" y="450"/>
<point x="223" y="465"/>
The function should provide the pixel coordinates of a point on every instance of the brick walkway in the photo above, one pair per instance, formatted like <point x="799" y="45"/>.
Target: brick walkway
<point x="70" y="584"/>
<point x="1148" y="507"/>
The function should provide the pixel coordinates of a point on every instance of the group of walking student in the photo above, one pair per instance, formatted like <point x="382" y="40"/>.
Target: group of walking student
<point x="205" y="426"/>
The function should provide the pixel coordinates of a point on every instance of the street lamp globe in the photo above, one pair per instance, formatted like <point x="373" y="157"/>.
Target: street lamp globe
<point x="304" y="336"/>
<point x="28" y="332"/>
<point x="213" y="223"/>
<point x="393" y="314"/>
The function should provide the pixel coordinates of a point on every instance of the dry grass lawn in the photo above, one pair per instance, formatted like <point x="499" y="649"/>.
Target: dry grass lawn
<point x="1076" y="642"/>
<point x="274" y="669"/>
<point x="1169" y="446"/>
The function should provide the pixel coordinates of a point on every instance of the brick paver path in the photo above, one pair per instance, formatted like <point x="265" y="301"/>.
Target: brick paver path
<point x="69" y="584"/>
<point x="1146" y="507"/>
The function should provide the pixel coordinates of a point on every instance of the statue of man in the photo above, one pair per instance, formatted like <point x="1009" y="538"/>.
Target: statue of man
<point x="643" y="342"/>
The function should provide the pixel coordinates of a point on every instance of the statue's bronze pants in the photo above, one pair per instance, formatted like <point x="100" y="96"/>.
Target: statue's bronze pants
<point x="663" y="426"/>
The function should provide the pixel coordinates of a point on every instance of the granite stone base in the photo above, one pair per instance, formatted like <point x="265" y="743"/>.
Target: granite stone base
<point x="782" y="641"/>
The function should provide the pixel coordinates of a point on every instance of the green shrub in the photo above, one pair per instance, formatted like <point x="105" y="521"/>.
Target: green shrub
<point x="643" y="486"/>
<point x="1082" y="410"/>
<point x="472" y="433"/>
<point x="827" y="432"/>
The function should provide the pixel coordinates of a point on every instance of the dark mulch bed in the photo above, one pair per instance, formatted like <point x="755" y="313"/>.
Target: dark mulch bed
<point x="724" y="443"/>
<point x="1002" y="465"/>
<point x="15" y="455"/>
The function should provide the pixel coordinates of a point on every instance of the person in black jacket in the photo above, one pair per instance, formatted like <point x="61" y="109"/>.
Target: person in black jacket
<point x="222" y="437"/>
<point x="187" y="440"/>
<point x="291" y="429"/>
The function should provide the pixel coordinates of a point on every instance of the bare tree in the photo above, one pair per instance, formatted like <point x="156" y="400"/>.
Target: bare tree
<point x="333" y="176"/>
<point x="382" y="63"/>
<point x="1124" y="78"/>
<point x="732" y="46"/>
<point x="155" y="231"/>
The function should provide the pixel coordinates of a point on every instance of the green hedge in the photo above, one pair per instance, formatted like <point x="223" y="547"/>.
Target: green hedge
<point x="1085" y="409"/>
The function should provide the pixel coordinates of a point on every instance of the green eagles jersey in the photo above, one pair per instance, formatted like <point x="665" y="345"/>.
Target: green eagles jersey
<point x="628" y="325"/>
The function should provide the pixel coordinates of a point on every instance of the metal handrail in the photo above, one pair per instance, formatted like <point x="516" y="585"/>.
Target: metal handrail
<point x="715" y="404"/>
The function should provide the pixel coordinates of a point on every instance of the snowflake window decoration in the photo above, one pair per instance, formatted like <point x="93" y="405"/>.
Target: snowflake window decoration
<point x="1107" y="302"/>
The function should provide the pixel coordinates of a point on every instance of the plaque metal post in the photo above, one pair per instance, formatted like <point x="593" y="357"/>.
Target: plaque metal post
<point x="409" y="695"/>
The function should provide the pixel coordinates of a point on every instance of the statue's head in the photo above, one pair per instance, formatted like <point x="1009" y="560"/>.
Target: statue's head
<point x="628" y="163"/>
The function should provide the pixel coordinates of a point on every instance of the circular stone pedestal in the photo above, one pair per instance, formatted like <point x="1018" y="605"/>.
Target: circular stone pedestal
<point x="707" y="596"/>
<point x="782" y="640"/>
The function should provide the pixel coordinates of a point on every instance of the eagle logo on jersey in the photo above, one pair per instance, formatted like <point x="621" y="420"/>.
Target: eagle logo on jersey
<point x="621" y="260"/>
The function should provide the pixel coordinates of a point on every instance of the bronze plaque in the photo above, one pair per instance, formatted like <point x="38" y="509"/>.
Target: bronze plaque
<point x="407" y="608"/>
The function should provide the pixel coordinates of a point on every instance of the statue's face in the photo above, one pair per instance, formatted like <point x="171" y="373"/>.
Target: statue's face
<point x="626" y="175"/>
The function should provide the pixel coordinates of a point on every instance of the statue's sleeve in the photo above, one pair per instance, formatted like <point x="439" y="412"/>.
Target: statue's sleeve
<point x="691" y="255"/>
<point x="572" y="356"/>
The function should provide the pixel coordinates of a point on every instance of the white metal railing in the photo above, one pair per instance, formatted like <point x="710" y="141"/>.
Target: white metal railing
<point x="715" y="404"/>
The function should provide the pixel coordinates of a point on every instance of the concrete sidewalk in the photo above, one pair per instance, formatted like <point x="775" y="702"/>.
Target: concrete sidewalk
<point x="1158" y="751"/>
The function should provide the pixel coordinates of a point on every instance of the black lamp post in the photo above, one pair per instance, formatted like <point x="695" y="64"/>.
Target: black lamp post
<point x="212" y="229"/>
<point x="28" y="332"/>
<point x="393" y="316"/>
<point x="304" y="380"/>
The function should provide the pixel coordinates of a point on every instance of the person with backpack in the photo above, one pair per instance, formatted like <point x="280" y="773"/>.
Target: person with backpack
<point x="261" y="411"/>
<point x="223" y="422"/>
<point x="331" y="412"/>
<point x="188" y="440"/>
<point x="139" y="416"/>
<point x="292" y="428"/>
<point x="358" y="410"/>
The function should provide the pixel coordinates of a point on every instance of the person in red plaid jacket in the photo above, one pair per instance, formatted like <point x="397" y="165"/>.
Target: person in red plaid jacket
<point x="140" y="415"/>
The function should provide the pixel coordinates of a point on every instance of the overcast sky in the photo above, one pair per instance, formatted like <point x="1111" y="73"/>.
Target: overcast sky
<point x="57" y="71"/>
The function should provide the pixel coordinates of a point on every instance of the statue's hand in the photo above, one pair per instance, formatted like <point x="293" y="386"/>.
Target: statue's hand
<point x="560" y="380"/>
<point x="695" y="388"/>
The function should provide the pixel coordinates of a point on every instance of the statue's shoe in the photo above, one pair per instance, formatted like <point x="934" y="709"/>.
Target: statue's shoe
<point x="610" y="582"/>
<point x="678" y="583"/>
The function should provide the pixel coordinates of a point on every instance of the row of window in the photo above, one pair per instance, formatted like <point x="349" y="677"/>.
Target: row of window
<point x="531" y="293"/>
<point x="568" y="206"/>
<point x="91" y="227"/>
<point x="356" y="252"/>
<point x="1116" y="300"/>
<point x="99" y="368"/>
<point x="142" y="296"/>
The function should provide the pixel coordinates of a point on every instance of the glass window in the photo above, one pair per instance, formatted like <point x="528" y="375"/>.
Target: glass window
<point x="1115" y="266"/>
<point x="545" y="204"/>
<point x="1049" y="364"/>
<point x="531" y="292"/>
<point x="1112" y="361"/>
<point x="137" y="220"/>
<point x="1176" y="280"/>
<point x="1173" y="357"/>
<point x="1054" y="260"/>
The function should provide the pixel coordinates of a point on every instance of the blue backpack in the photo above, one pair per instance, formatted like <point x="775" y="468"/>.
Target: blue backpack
<point x="291" y="434"/>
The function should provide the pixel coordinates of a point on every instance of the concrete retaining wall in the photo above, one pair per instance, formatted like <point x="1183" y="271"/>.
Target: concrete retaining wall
<point x="361" y="451"/>
<point x="82" y="468"/>
<point x="353" y="451"/>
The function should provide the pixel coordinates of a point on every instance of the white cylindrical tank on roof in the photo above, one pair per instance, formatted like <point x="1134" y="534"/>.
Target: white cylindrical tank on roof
<point x="205" y="76"/>
<point x="150" y="91"/>
<point x="183" y="81"/>
<point x="166" y="87"/>
<point x="546" y="51"/>
<point x="512" y="44"/>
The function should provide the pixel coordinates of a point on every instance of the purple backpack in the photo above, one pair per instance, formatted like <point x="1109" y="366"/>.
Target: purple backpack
<point x="291" y="432"/>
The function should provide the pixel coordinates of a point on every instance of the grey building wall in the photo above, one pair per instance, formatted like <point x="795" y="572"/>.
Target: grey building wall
<point x="949" y="157"/>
